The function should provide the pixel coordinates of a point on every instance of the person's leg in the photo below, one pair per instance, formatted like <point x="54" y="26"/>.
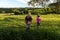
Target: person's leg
<point x="38" y="25"/>
<point x="27" y="27"/>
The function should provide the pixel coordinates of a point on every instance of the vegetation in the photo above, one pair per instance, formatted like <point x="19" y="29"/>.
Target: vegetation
<point x="19" y="11"/>
<point x="55" y="5"/>
<point x="38" y="3"/>
<point x="12" y="27"/>
<point x="12" y="23"/>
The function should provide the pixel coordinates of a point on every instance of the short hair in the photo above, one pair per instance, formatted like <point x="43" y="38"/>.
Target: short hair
<point x="38" y="15"/>
<point x="29" y="13"/>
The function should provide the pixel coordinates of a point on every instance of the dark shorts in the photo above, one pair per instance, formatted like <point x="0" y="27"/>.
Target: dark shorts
<point x="38" y="24"/>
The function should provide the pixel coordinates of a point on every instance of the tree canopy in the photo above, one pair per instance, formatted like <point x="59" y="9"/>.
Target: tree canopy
<point x="37" y="2"/>
<point x="57" y="4"/>
<point x="43" y="3"/>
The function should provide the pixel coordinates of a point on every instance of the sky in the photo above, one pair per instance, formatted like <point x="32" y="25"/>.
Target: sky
<point x="14" y="3"/>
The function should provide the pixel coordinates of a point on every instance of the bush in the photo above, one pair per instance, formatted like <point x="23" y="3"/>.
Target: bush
<point x="16" y="13"/>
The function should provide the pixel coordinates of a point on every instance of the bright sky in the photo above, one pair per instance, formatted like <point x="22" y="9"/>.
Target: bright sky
<point x="13" y="3"/>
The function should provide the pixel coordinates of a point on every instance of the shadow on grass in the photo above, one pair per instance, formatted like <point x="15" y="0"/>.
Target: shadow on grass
<point x="10" y="33"/>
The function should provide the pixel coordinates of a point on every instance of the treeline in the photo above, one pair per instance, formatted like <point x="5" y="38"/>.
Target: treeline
<point x="18" y="11"/>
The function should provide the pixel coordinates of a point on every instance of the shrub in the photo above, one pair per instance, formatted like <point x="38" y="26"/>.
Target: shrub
<point x="16" y="13"/>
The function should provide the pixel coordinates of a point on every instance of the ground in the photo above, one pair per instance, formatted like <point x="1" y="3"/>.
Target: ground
<point x="48" y="22"/>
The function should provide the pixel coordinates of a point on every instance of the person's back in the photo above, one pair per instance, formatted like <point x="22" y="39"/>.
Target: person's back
<point x="28" y="21"/>
<point x="38" y="19"/>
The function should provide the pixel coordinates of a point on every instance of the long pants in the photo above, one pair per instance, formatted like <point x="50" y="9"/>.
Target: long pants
<point x="38" y="25"/>
<point x="27" y="26"/>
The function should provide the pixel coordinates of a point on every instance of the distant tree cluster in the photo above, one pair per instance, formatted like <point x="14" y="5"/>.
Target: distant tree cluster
<point x="18" y="11"/>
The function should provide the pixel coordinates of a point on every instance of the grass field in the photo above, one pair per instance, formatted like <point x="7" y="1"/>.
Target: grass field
<point x="47" y="21"/>
<point x="49" y="28"/>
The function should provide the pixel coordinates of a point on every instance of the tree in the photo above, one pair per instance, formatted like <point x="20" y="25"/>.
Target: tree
<point x="38" y="3"/>
<point x="55" y="5"/>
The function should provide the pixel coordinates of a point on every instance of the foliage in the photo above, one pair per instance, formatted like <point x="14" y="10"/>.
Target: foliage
<point x="32" y="10"/>
<point x="38" y="2"/>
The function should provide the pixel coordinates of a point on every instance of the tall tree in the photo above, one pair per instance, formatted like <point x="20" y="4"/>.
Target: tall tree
<point x="55" y="5"/>
<point x="43" y="3"/>
<point x="38" y="3"/>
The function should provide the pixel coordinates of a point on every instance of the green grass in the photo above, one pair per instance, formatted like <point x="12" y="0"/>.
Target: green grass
<point x="13" y="27"/>
<point x="18" y="20"/>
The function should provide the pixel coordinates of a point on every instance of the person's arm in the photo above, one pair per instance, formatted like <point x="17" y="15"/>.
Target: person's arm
<point x="40" y="19"/>
<point x="25" y="19"/>
<point x="31" y="19"/>
<point x="36" y="19"/>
